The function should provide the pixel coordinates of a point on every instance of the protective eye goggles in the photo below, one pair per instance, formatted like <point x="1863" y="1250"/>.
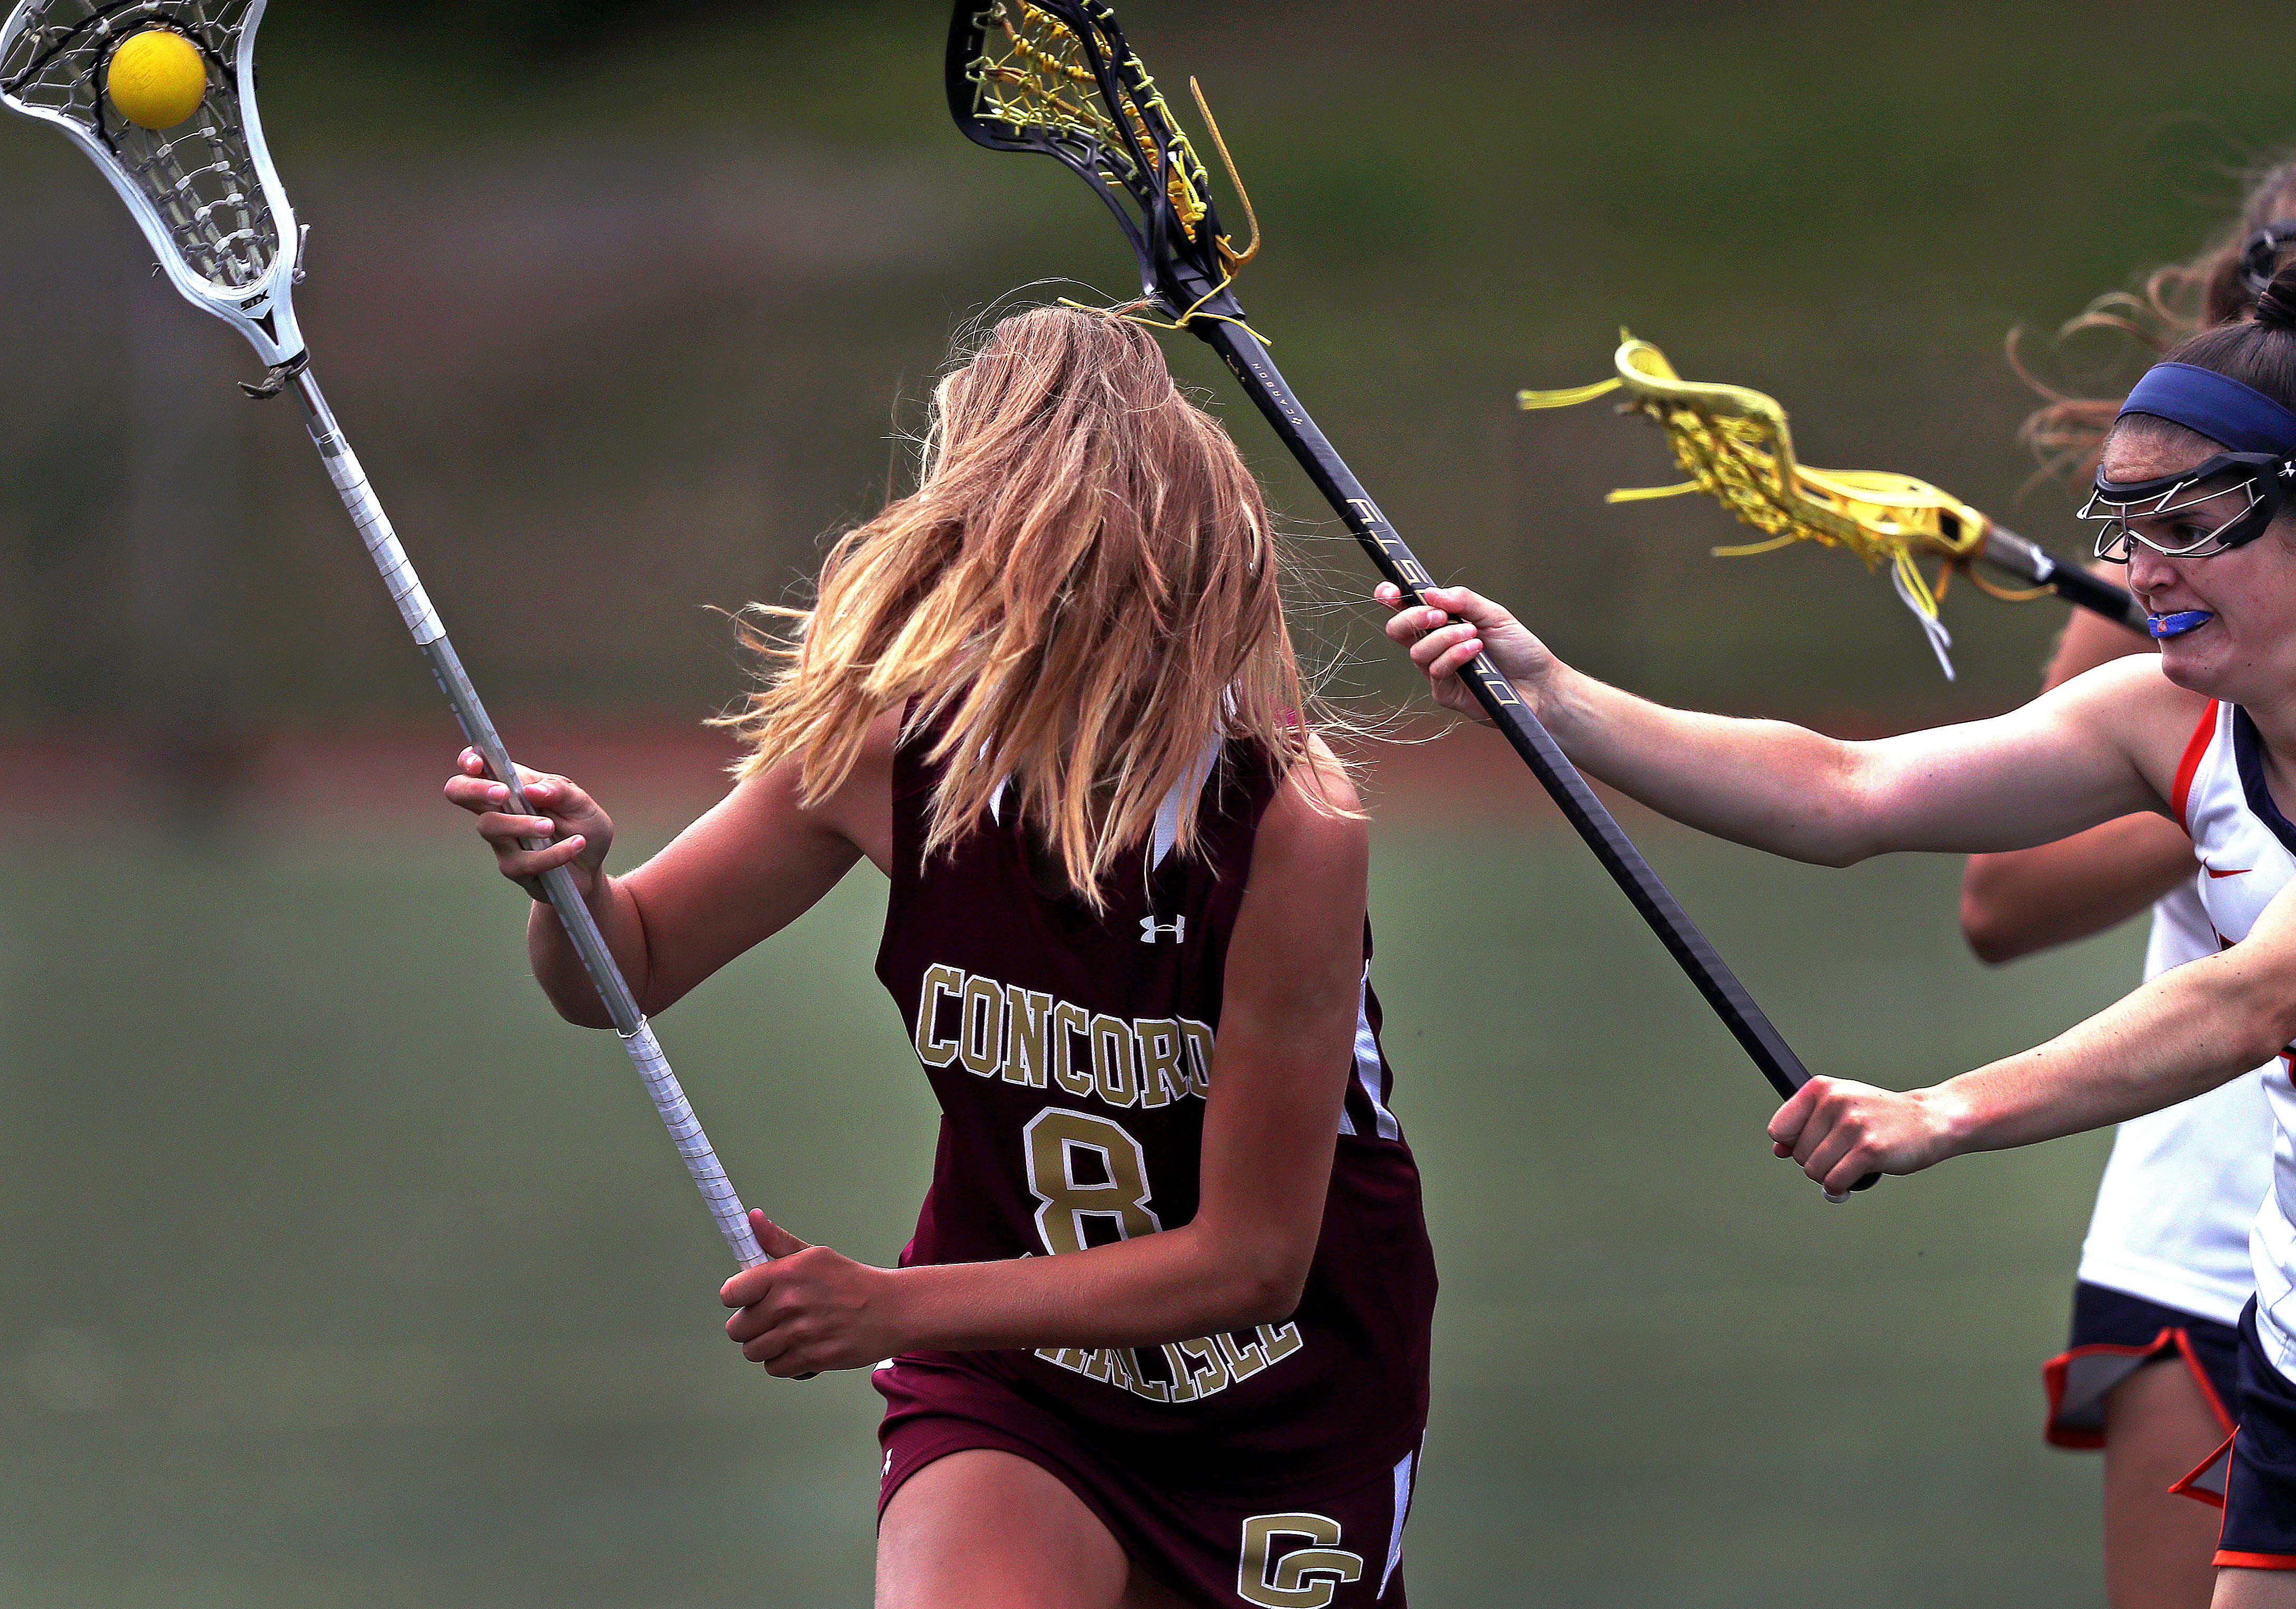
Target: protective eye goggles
<point x="2221" y="517"/>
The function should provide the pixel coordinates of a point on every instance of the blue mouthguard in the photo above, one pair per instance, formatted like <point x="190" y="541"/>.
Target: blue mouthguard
<point x="2176" y="625"/>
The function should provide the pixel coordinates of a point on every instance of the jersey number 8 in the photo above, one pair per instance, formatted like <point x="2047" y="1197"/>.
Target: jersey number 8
<point x="1082" y="1166"/>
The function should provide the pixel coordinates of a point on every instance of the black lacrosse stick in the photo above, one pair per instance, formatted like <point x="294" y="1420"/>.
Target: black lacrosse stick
<point x="1055" y="76"/>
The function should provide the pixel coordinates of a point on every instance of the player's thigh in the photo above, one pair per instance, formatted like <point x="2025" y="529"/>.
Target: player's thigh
<point x="987" y="1529"/>
<point x="2255" y="1590"/>
<point x="2159" y="1547"/>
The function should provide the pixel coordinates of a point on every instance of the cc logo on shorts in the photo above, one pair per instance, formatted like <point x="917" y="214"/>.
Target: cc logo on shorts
<point x="1276" y="1575"/>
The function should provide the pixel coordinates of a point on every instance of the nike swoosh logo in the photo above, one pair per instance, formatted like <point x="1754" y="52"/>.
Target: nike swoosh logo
<point x="2238" y="871"/>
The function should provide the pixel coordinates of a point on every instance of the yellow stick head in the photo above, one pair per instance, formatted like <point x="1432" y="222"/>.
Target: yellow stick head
<point x="157" y="78"/>
<point x="1736" y="448"/>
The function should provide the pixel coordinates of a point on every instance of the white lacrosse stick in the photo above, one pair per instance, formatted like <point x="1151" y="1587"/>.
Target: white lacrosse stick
<point x="161" y="94"/>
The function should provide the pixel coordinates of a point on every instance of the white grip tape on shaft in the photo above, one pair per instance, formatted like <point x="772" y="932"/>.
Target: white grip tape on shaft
<point x="692" y="1145"/>
<point x="381" y="542"/>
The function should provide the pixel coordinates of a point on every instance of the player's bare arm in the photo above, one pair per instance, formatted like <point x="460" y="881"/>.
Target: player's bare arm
<point x="1283" y="1058"/>
<point x="2100" y="747"/>
<point x="745" y="870"/>
<point x="2183" y="1033"/>
<point x="2018" y="901"/>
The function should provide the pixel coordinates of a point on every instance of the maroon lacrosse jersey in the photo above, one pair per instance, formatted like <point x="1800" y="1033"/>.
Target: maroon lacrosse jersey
<point x="1070" y="1053"/>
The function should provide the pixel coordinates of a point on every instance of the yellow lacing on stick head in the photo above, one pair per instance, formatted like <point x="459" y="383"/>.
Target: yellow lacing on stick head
<point x="1734" y="445"/>
<point x="1043" y="80"/>
<point x="1231" y="260"/>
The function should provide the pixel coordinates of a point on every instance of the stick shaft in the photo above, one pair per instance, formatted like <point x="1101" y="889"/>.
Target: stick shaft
<point x="2035" y="566"/>
<point x="573" y="914"/>
<point x="1762" y="1042"/>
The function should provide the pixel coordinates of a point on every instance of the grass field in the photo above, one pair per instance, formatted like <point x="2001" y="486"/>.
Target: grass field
<point x="334" y="1271"/>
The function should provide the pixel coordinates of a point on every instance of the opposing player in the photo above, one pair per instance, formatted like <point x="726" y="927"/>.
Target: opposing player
<point x="1162" y="1335"/>
<point x="2191" y="486"/>
<point x="2164" y="1271"/>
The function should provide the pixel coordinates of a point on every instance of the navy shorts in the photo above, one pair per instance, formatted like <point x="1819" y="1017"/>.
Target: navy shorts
<point x="1311" y="1546"/>
<point x="2255" y="1471"/>
<point x="2113" y="1336"/>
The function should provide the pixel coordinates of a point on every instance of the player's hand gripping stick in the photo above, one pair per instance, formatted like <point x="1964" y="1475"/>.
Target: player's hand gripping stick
<point x="1499" y="699"/>
<point x="161" y="93"/>
<point x="558" y="886"/>
<point x="1056" y="78"/>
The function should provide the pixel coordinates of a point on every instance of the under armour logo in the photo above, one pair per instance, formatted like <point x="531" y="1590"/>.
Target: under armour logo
<point x="1150" y="927"/>
<point x="2288" y="468"/>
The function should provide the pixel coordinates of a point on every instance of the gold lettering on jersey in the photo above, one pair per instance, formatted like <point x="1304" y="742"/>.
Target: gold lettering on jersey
<point x="933" y="1050"/>
<point x="1273" y="1576"/>
<point x="1200" y="1055"/>
<point x="1107" y="1198"/>
<point x="980" y="1027"/>
<point x="1031" y="1039"/>
<point x="1183" y="1382"/>
<point x="1163" y="1062"/>
<point x="1193" y="1369"/>
<point x="1024" y="1018"/>
<point x="1244" y="1362"/>
<point x="1124" y="1370"/>
<point x="1071" y="1026"/>
<point x="1112" y="1072"/>
<point x="1201" y="1359"/>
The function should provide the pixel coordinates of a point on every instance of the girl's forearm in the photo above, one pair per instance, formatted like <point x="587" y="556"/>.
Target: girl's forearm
<point x="558" y="967"/>
<point x="2023" y="901"/>
<point x="2182" y="1035"/>
<point x="1763" y="784"/>
<point x="1169" y="1286"/>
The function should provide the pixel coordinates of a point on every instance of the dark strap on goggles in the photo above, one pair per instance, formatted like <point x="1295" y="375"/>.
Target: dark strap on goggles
<point x="2226" y="412"/>
<point x="2262" y="250"/>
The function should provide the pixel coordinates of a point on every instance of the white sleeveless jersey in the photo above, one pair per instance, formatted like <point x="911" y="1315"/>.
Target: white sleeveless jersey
<point x="2177" y="1199"/>
<point x="2247" y="851"/>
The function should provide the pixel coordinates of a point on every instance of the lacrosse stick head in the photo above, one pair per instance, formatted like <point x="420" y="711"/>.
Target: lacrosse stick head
<point x="204" y="191"/>
<point x="1735" y="446"/>
<point x="1055" y="76"/>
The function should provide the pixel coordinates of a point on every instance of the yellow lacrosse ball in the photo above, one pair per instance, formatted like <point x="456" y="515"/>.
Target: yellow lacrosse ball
<point x="157" y="78"/>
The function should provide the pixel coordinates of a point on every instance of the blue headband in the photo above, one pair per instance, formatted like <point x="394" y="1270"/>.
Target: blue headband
<point x="2239" y="417"/>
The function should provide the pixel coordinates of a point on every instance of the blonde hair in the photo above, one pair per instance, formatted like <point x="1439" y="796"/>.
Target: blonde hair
<point x="2067" y="434"/>
<point x="1083" y="591"/>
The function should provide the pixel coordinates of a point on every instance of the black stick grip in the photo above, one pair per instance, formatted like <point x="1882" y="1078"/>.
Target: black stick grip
<point x="1762" y="1042"/>
<point x="2034" y="565"/>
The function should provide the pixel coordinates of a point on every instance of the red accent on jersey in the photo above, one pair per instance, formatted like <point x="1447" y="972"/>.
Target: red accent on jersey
<point x="1070" y="1060"/>
<point x="2195" y="747"/>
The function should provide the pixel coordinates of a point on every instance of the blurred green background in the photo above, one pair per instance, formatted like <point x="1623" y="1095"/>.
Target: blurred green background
<point x="333" y="1271"/>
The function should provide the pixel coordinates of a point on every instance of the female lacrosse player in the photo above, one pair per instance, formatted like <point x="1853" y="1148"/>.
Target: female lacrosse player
<point x="2164" y="1271"/>
<point x="2191" y="485"/>
<point x="1162" y="1334"/>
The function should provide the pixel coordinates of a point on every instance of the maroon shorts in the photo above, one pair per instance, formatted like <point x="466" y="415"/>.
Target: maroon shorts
<point x="1302" y="1548"/>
